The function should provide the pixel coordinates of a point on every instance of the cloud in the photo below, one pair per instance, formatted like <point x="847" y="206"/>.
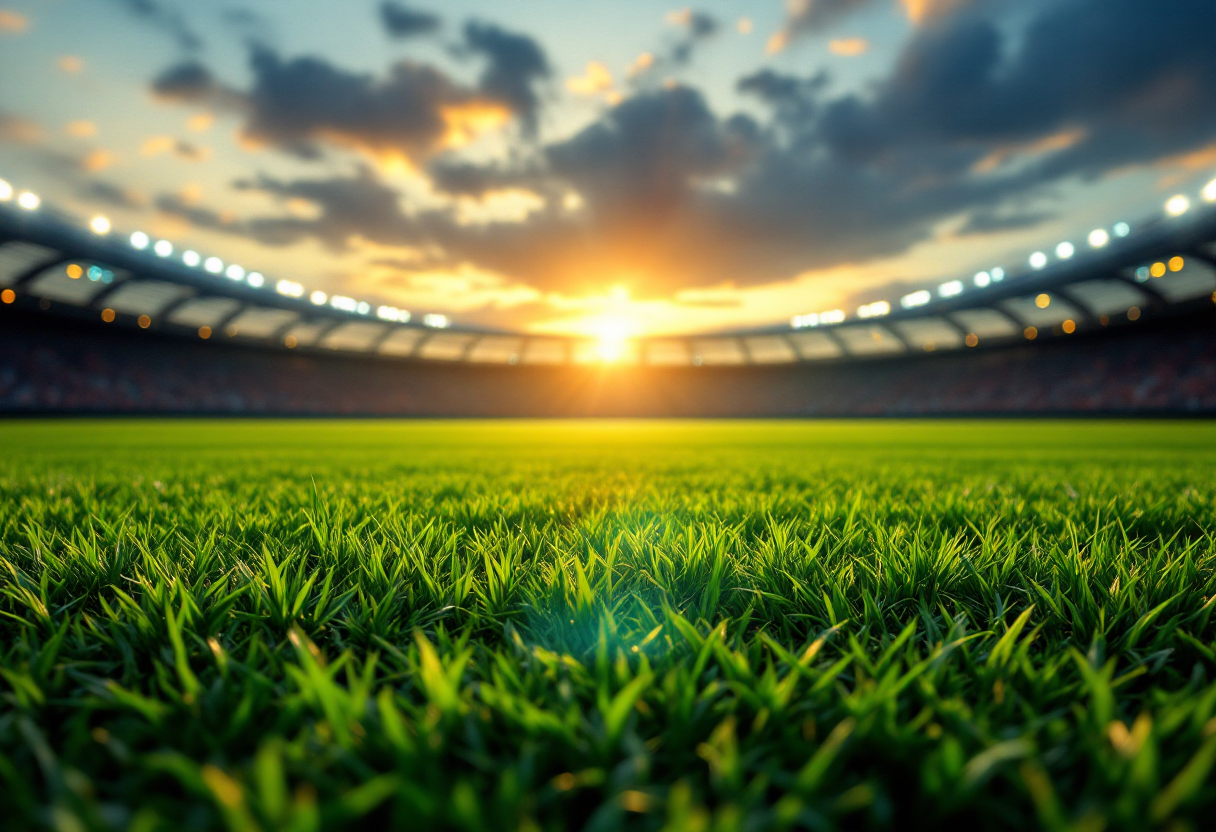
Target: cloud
<point x="13" y="22"/>
<point x="597" y="79"/>
<point x="300" y="105"/>
<point x="400" y="21"/>
<point x="157" y="145"/>
<point x="168" y="20"/>
<point x="514" y="64"/>
<point x="848" y="47"/>
<point x="976" y="124"/>
<point x="111" y="194"/>
<point x="19" y="130"/>
<point x="806" y="17"/>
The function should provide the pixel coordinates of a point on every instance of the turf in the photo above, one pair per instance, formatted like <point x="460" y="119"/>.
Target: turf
<point x="700" y="626"/>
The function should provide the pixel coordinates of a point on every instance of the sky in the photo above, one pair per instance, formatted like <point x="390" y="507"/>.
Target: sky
<point x="573" y="167"/>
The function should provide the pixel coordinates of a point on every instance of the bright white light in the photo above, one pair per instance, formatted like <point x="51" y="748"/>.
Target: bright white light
<point x="29" y="200"/>
<point x="214" y="265"/>
<point x="191" y="258"/>
<point x="289" y="288"/>
<point x="1098" y="238"/>
<point x="387" y="313"/>
<point x="344" y="303"/>
<point x="874" y="310"/>
<point x="801" y="321"/>
<point x="255" y="279"/>
<point x="1122" y="229"/>
<point x="915" y="299"/>
<point x="982" y="279"/>
<point x="832" y="316"/>
<point x="435" y="320"/>
<point x="163" y="248"/>
<point x="998" y="274"/>
<point x="363" y="308"/>
<point x="1038" y="260"/>
<point x="1065" y="250"/>
<point x="235" y="272"/>
<point x="950" y="289"/>
<point x="100" y="225"/>
<point x="6" y="191"/>
<point x="1209" y="190"/>
<point x="1177" y="205"/>
<point x="318" y="298"/>
<point x="139" y="240"/>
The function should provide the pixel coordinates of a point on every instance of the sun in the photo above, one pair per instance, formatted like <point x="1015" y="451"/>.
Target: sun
<point x="612" y="336"/>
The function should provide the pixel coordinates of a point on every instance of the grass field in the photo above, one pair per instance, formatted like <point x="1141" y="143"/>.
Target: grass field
<point x="701" y="626"/>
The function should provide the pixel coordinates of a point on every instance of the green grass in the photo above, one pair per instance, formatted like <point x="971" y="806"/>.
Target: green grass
<point x="536" y="625"/>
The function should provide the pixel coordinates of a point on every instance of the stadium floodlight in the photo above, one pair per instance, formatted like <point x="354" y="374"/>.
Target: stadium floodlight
<point x="139" y="240"/>
<point x="998" y="274"/>
<point x="874" y="310"/>
<point x="343" y="303"/>
<point x="387" y="313"/>
<point x="1177" y="205"/>
<point x="1209" y="191"/>
<point x="1065" y="250"/>
<point x="982" y="279"/>
<point x="214" y="265"/>
<point x="363" y="308"/>
<point x="950" y="289"/>
<point x="1038" y="260"/>
<point x="433" y="319"/>
<point x="318" y="298"/>
<point x="255" y="279"/>
<point x="802" y="321"/>
<point x="832" y="316"/>
<point x="235" y="272"/>
<point x="191" y="258"/>
<point x="29" y="200"/>
<point x="6" y="191"/>
<point x="100" y="225"/>
<point x="1098" y="238"/>
<point x="915" y="299"/>
<point x="1122" y="229"/>
<point x="289" y="288"/>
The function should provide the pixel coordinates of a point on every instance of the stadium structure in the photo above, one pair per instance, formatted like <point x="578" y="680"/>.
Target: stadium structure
<point x="93" y="321"/>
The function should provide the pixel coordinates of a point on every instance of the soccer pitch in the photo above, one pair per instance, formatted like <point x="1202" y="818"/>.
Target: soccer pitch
<point x="601" y="625"/>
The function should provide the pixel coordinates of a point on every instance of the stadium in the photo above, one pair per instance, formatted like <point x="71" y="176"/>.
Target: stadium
<point x="102" y="322"/>
<point x="706" y="419"/>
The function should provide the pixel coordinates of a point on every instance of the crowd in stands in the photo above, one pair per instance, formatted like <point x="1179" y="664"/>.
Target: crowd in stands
<point x="53" y="366"/>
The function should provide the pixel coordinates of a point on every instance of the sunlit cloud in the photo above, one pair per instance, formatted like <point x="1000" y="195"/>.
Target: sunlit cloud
<point x="922" y="11"/>
<point x="80" y="129"/>
<point x="511" y="205"/>
<point x="596" y="79"/>
<point x="641" y="64"/>
<point x="98" y="160"/>
<point x="849" y="47"/>
<point x="13" y="22"/>
<point x="200" y="122"/>
<point x="744" y="25"/>
<point x="19" y="130"/>
<point x="70" y="64"/>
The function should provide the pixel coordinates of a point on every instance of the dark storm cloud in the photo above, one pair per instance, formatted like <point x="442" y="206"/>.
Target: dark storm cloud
<point x="109" y="193"/>
<point x="401" y="21"/>
<point x="302" y="104"/>
<point x="168" y="20"/>
<point x="977" y="123"/>
<point x="698" y="27"/>
<point x="514" y="64"/>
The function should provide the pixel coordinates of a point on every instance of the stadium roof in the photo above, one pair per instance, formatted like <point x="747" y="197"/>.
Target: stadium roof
<point x="54" y="263"/>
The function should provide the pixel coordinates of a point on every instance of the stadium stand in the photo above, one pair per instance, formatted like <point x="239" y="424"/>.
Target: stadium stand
<point x="53" y="365"/>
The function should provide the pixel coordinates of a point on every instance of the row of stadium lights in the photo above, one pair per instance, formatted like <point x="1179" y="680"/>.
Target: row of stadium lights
<point x="100" y="225"/>
<point x="1175" y="206"/>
